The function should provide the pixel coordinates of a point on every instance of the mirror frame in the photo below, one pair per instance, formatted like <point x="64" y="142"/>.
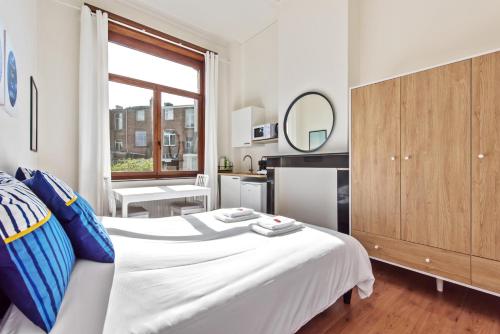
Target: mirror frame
<point x="288" y="112"/>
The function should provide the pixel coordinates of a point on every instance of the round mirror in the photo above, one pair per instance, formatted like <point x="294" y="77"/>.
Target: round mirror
<point x="309" y="122"/>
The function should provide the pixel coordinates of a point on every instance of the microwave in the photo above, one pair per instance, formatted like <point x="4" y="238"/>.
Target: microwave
<point x="265" y="131"/>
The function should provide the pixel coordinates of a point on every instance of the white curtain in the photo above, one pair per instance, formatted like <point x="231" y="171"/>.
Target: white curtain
<point x="211" y="91"/>
<point x="94" y="150"/>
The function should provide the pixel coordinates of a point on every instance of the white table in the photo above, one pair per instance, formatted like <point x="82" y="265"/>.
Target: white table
<point x="147" y="194"/>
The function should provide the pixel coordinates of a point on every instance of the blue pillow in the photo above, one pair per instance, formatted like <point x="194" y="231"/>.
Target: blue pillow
<point x="24" y="173"/>
<point x="4" y="304"/>
<point x="36" y="258"/>
<point x="88" y="237"/>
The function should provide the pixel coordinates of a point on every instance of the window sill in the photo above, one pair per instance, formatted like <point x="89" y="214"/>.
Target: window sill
<point x="130" y="183"/>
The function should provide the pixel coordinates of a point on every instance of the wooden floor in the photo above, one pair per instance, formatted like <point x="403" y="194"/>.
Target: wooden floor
<point x="407" y="302"/>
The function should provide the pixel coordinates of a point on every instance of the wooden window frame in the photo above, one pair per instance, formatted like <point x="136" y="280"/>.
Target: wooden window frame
<point x="132" y="39"/>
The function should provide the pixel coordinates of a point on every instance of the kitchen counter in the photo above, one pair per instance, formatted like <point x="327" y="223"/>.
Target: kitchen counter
<point x="245" y="175"/>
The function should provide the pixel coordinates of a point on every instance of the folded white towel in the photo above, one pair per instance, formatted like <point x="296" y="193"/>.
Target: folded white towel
<point x="275" y="223"/>
<point x="271" y="233"/>
<point x="238" y="212"/>
<point x="225" y="219"/>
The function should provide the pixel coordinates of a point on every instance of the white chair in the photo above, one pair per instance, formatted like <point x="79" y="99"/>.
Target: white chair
<point x="194" y="205"/>
<point x="133" y="211"/>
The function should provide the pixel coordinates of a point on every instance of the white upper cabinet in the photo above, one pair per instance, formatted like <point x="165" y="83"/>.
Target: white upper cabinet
<point x="242" y="121"/>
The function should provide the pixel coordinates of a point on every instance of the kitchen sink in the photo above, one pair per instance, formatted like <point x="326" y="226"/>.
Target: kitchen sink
<point x="253" y="179"/>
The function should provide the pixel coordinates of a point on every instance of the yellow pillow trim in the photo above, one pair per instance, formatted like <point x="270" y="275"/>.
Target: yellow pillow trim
<point x="71" y="201"/>
<point x="28" y="230"/>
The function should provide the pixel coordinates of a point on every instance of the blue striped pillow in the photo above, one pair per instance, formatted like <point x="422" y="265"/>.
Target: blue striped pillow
<point x="24" y="173"/>
<point x="88" y="237"/>
<point x="36" y="257"/>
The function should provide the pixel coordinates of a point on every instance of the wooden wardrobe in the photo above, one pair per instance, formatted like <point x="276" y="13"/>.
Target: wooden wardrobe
<point x="425" y="166"/>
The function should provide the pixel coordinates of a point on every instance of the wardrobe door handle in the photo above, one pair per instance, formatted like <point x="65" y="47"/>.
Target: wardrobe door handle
<point x="393" y="158"/>
<point x="480" y="156"/>
<point x="408" y="157"/>
<point x="427" y="260"/>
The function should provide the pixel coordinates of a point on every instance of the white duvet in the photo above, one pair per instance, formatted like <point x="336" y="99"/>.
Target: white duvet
<point x="203" y="276"/>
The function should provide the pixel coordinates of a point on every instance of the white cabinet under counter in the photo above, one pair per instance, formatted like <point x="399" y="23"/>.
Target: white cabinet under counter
<point x="230" y="191"/>
<point x="245" y="190"/>
<point x="253" y="195"/>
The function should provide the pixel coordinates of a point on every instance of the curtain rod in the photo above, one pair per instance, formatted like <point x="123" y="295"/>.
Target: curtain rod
<point x="142" y="31"/>
<point x="180" y="44"/>
<point x="223" y="60"/>
<point x="150" y="31"/>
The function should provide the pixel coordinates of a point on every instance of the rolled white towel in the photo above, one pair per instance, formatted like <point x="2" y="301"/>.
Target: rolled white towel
<point x="276" y="223"/>
<point x="238" y="212"/>
<point x="223" y="218"/>
<point x="271" y="233"/>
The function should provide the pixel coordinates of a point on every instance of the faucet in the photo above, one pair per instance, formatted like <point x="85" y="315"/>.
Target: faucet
<point x="251" y="164"/>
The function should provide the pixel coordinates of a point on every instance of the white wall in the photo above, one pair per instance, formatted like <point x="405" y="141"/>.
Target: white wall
<point x="19" y="18"/>
<point x="58" y="40"/>
<point x="58" y="52"/>
<point x="354" y="43"/>
<point x="397" y="36"/>
<point x="256" y="78"/>
<point x="313" y="55"/>
<point x="234" y="101"/>
<point x="306" y="49"/>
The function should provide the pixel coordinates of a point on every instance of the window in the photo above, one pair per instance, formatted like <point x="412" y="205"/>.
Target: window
<point x="136" y="154"/>
<point x="156" y="104"/>
<point x="190" y="118"/>
<point x="175" y="156"/>
<point x="118" y="119"/>
<point x="118" y="145"/>
<point x="140" y="138"/>
<point x="169" y="138"/>
<point x="189" y="148"/>
<point x="169" y="113"/>
<point x="140" y="115"/>
<point x="185" y="78"/>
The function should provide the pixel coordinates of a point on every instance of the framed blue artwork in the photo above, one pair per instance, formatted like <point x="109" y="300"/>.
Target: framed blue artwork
<point x="2" y="65"/>
<point x="11" y="79"/>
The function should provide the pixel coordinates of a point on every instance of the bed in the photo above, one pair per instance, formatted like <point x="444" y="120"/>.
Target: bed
<point x="198" y="275"/>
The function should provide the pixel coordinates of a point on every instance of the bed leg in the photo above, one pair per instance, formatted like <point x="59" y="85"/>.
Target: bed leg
<point x="347" y="297"/>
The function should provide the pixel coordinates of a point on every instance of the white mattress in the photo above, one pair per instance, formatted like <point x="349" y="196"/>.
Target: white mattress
<point x="204" y="276"/>
<point x="83" y="309"/>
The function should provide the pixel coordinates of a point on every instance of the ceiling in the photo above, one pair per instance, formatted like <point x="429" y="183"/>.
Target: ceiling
<point x="230" y="20"/>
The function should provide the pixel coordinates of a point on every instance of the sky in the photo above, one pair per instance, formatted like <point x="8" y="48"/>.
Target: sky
<point x="135" y="64"/>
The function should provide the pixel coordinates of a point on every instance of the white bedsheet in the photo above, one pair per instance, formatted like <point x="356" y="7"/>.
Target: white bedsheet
<point x="205" y="276"/>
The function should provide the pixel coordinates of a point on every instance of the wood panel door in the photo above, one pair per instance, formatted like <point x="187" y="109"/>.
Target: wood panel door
<point x="375" y="113"/>
<point x="435" y="144"/>
<point x="486" y="156"/>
